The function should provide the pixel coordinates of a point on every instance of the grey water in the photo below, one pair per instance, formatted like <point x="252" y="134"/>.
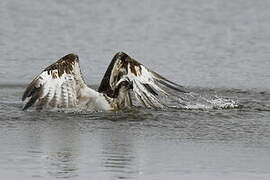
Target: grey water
<point x="214" y="47"/>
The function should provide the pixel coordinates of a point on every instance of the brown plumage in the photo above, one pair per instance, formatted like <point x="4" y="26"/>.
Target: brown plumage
<point x="63" y="65"/>
<point x="61" y="85"/>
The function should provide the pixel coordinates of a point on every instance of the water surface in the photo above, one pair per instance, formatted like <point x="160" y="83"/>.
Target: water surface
<point x="137" y="143"/>
<point x="214" y="47"/>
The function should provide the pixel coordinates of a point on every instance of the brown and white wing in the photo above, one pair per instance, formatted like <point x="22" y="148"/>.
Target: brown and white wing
<point x="56" y="86"/>
<point x="149" y="87"/>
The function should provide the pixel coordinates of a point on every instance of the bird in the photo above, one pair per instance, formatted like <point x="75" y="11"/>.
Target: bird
<point x="61" y="85"/>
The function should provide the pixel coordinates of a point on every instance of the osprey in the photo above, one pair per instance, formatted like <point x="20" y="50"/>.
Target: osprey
<point x="61" y="85"/>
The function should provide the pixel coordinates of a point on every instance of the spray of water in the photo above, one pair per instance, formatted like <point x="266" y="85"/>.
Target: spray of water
<point x="197" y="101"/>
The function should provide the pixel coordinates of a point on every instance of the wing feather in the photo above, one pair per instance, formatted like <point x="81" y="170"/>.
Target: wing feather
<point x="148" y="86"/>
<point x="56" y="86"/>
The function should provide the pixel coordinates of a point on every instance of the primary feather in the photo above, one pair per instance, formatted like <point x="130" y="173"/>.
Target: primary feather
<point x="148" y="86"/>
<point x="61" y="85"/>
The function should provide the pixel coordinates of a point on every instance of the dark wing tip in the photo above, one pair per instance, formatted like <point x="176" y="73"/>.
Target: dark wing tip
<point x="25" y="94"/>
<point x="35" y="94"/>
<point x="29" y="90"/>
<point x="150" y="89"/>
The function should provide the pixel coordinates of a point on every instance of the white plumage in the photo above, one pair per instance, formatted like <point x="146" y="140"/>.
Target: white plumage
<point x="61" y="85"/>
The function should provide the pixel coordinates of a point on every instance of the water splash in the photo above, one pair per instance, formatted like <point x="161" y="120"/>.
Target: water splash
<point x="198" y="101"/>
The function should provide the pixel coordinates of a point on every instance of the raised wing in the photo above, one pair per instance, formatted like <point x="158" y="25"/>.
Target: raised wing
<point x="148" y="86"/>
<point x="56" y="86"/>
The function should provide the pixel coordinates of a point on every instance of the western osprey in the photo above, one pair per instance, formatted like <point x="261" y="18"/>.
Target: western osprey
<point x="61" y="85"/>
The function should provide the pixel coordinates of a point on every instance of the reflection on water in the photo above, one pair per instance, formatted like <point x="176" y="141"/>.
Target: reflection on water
<point x="62" y="148"/>
<point x="107" y="147"/>
<point x="61" y="164"/>
<point x="117" y="153"/>
<point x="57" y="142"/>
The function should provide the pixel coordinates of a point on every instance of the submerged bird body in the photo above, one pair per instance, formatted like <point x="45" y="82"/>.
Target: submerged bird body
<point x="61" y="85"/>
